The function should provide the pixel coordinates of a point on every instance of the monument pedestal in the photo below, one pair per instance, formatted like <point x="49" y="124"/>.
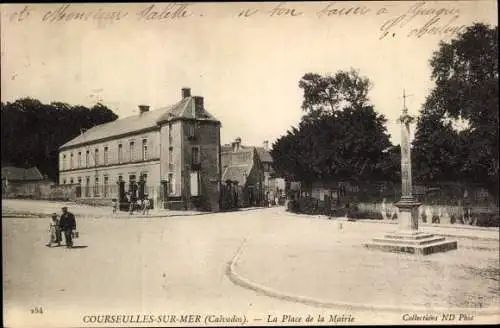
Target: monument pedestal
<point x="408" y="239"/>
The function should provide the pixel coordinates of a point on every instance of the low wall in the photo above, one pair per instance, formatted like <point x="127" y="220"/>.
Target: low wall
<point x="43" y="190"/>
<point x="445" y="214"/>
<point x="443" y="202"/>
<point x="486" y="216"/>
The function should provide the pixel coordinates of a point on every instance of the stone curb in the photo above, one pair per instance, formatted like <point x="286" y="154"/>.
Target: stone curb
<point x="238" y="280"/>
<point x="31" y="215"/>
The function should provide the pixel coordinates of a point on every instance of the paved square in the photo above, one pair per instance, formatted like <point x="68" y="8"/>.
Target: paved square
<point x="179" y="265"/>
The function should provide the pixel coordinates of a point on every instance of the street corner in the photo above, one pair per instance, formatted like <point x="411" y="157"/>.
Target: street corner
<point x="340" y="275"/>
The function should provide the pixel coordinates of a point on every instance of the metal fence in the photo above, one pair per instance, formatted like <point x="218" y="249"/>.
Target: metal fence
<point x="113" y="191"/>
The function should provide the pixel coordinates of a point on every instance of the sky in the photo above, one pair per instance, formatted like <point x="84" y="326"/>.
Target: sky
<point x="246" y="68"/>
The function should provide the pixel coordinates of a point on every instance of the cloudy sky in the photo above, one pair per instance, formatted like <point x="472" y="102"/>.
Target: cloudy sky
<point x="247" y="68"/>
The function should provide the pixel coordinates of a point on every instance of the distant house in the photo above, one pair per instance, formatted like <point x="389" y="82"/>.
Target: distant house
<point x="20" y="181"/>
<point x="273" y="185"/>
<point x="170" y="155"/>
<point x="242" y="176"/>
<point x="12" y="174"/>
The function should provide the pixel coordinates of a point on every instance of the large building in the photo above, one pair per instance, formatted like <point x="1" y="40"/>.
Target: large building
<point x="172" y="154"/>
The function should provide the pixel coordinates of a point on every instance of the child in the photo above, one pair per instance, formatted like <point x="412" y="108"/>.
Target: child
<point x="114" y="204"/>
<point x="146" y="205"/>
<point x="55" y="231"/>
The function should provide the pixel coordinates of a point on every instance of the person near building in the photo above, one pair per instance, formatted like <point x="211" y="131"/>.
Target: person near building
<point x="114" y="205"/>
<point x="67" y="225"/>
<point x="146" y="204"/>
<point x="55" y="231"/>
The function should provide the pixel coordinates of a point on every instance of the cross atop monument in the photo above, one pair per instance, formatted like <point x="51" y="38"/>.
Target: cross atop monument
<point x="405" y="109"/>
<point x="405" y="118"/>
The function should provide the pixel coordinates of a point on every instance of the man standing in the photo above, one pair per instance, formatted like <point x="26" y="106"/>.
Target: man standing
<point x="67" y="224"/>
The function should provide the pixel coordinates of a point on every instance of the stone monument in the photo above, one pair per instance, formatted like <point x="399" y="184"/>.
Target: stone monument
<point x="408" y="238"/>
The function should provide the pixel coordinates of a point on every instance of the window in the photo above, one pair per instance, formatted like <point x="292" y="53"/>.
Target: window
<point x="64" y="181"/>
<point x="132" y="151"/>
<point x="71" y="161"/>
<point x="170" y="158"/>
<point x="191" y="130"/>
<point x="79" y="180"/>
<point x="142" y="184"/>
<point x="132" y="186"/>
<point x="195" y="185"/>
<point x="105" y="155"/>
<point x="87" y="186"/>
<point x="120" y="153"/>
<point x="80" y="159"/>
<point x="71" y="181"/>
<point x="195" y="155"/>
<point x="96" y="187"/>
<point x="96" y="157"/>
<point x="87" y="158"/>
<point x="144" y="149"/>
<point x="64" y="162"/>
<point x="105" y="191"/>
<point x="171" y="183"/>
<point x="170" y="133"/>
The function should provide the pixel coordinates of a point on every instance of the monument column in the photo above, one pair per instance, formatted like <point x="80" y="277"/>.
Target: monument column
<point x="408" y="238"/>
<point x="408" y="207"/>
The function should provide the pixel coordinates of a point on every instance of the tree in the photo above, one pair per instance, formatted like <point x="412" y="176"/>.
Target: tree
<point x="437" y="149"/>
<point x="351" y="144"/>
<point x="32" y="132"/>
<point x="465" y="72"/>
<point x="329" y="93"/>
<point x="340" y="137"/>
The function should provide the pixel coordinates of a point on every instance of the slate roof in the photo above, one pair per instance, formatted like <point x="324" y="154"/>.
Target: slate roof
<point x="227" y="148"/>
<point x="21" y="174"/>
<point x="135" y="123"/>
<point x="264" y="155"/>
<point x="237" y="173"/>
<point x="184" y="109"/>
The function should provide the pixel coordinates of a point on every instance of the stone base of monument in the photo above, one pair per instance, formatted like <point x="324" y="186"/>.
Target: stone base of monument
<point x="414" y="242"/>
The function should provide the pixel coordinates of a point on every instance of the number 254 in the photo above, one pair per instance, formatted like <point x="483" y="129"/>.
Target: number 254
<point x="37" y="310"/>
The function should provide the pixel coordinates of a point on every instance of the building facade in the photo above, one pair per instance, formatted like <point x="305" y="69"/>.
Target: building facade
<point x="271" y="188"/>
<point x="170" y="155"/>
<point x="242" y="176"/>
<point x="274" y="187"/>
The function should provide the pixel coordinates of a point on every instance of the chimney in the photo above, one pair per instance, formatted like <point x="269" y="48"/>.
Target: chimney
<point x="143" y="109"/>
<point x="266" y="145"/>
<point x="186" y="92"/>
<point x="198" y="104"/>
<point x="237" y="144"/>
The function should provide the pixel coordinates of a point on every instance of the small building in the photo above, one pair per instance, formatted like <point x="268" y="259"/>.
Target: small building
<point x="274" y="187"/>
<point x="242" y="176"/>
<point x="18" y="182"/>
<point x="170" y="155"/>
<point x="12" y="174"/>
<point x="18" y="177"/>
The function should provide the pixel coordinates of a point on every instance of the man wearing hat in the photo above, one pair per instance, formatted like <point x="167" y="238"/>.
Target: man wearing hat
<point x="67" y="224"/>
